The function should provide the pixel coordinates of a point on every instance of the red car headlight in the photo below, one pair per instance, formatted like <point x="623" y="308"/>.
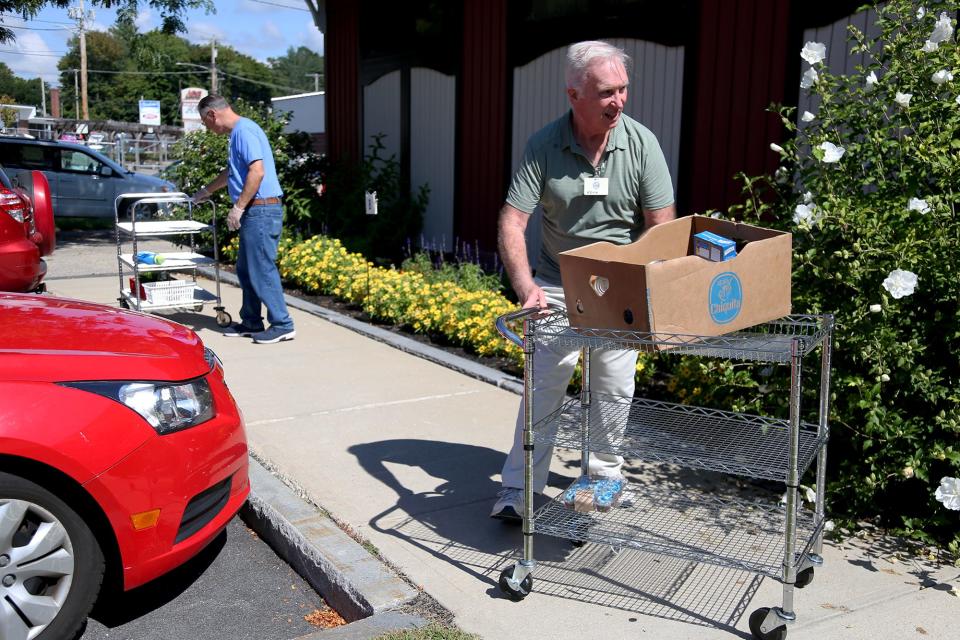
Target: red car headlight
<point x="167" y="407"/>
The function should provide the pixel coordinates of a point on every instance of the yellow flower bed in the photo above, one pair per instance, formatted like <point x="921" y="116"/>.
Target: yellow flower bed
<point x="467" y="318"/>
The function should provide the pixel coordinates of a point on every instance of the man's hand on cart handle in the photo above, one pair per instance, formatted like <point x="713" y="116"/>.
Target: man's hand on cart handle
<point x="233" y="218"/>
<point x="200" y="196"/>
<point x="533" y="297"/>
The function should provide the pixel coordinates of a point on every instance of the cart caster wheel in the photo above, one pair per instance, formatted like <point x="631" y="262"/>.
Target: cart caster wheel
<point x="804" y="578"/>
<point x="526" y="586"/>
<point x="198" y="308"/>
<point x="223" y="319"/>
<point x="757" y="618"/>
<point x="124" y="304"/>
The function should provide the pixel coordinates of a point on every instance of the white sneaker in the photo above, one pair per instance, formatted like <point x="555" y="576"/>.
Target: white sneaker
<point x="509" y="505"/>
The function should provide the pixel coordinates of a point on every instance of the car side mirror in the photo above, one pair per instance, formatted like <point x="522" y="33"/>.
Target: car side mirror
<point x="106" y="171"/>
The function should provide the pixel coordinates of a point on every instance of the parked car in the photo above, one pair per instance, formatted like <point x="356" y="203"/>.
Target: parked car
<point x="84" y="182"/>
<point x="27" y="231"/>
<point x="122" y="455"/>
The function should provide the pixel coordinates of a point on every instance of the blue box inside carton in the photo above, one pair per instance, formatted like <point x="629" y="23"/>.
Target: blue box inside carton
<point x="714" y="247"/>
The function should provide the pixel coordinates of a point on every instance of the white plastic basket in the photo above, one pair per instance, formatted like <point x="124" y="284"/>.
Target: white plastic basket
<point x="169" y="292"/>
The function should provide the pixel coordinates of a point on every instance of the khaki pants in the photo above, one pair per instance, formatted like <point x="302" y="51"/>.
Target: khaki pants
<point x="611" y="372"/>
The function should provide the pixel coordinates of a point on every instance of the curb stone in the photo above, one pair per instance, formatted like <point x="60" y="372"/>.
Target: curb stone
<point x="354" y="582"/>
<point x="427" y="352"/>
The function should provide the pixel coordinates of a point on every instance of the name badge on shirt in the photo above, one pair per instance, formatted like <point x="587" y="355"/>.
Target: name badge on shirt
<point x="595" y="186"/>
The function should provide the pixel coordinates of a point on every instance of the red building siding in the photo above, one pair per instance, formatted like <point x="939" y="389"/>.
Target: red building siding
<point x="482" y="122"/>
<point x="343" y="80"/>
<point x="739" y="72"/>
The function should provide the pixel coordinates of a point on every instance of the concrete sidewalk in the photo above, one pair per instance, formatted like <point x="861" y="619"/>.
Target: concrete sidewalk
<point x="406" y="454"/>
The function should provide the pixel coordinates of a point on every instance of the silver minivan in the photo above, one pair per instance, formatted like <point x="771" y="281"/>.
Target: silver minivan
<point x="84" y="183"/>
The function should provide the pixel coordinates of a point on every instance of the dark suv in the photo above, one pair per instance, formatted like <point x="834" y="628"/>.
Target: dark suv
<point x="83" y="182"/>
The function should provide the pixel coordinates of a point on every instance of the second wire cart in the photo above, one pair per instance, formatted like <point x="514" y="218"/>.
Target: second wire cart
<point x="172" y="293"/>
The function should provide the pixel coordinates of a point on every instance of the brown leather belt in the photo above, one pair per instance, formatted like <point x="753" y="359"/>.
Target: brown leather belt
<point x="262" y="201"/>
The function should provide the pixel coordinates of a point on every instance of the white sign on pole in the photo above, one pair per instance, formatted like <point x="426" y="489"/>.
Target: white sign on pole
<point x="189" y="99"/>
<point x="150" y="112"/>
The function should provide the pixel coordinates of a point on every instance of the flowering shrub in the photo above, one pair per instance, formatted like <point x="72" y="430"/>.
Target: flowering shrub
<point x="868" y="187"/>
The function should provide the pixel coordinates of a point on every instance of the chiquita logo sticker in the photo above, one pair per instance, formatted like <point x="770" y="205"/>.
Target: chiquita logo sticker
<point x="726" y="297"/>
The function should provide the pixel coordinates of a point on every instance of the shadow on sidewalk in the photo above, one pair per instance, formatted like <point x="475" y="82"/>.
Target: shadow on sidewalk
<point x="451" y="523"/>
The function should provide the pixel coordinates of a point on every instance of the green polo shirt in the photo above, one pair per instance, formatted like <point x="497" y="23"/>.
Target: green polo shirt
<point x="552" y="172"/>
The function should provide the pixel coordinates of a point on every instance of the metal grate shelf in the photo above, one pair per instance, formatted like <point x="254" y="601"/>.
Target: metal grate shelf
<point x="689" y="436"/>
<point x="768" y="342"/>
<point x="723" y="531"/>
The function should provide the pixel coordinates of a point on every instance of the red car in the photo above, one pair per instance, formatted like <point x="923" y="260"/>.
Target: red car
<point x="26" y="230"/>
<point x="122" y="454"/>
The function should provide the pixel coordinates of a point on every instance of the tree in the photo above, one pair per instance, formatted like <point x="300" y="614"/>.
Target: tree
<point x="294" y="67"/>
<point x="127" y="66"/>
<point x="171" y="11"/>
<point x="18" y="90"/>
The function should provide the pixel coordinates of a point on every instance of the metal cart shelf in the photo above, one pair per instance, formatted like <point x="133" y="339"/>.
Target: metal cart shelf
<point x="189" y="294"/>
<point x="780" y="541"/>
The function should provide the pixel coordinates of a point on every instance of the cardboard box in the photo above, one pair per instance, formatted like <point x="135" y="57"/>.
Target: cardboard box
<point x="658" y="284"/>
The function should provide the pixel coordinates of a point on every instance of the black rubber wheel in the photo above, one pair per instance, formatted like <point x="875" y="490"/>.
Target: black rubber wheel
<point x="804" y="578"/>
<point x="526" y="586"/>
<point x="757" y="618"/>
<point x="65" y="578"/>
<point x="124" y="304"/>
<point x="223" y="319"/>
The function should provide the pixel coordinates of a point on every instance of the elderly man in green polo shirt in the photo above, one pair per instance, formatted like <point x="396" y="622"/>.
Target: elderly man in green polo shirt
<point x="599" y="175"/>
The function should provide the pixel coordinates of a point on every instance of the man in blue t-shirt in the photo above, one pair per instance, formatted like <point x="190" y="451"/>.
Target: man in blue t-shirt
<point x="251" y="180"/>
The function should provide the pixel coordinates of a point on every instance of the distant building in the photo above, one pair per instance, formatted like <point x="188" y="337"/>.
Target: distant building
<point x="308" y="114"/>
<point x="23" y="114"/>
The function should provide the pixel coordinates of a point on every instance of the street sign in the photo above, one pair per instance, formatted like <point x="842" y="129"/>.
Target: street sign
<point x="150" y="112"/>
<point x="189" y="99"/>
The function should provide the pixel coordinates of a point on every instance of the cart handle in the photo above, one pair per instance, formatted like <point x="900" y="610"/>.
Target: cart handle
<point x="521" y="314"/>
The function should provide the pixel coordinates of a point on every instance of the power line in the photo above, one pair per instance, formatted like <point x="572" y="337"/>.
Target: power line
<point x="276" y="4"/>
<point x="30" y="53"/>
<point x="13" y="26"/>
<point x="35" y="20"/>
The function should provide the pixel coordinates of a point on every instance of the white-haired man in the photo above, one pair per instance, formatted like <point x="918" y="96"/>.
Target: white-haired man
<point x="598" y="175"/>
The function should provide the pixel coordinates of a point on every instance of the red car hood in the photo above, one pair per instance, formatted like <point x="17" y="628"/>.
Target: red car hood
<point x="43" y="338"/>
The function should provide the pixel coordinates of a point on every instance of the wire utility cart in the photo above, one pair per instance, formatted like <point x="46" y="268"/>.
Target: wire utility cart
<point x="782" y="542"/>
<point x="171" y="293"/>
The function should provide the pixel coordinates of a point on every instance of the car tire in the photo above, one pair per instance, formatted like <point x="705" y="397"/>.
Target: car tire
<point x="37" y="528"/>
<point x="43" y="213"/>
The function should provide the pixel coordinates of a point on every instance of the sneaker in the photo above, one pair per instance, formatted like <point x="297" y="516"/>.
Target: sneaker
<point x="509" y="505"/>
<point x="274" y="334"/>
<point x="237" y="330"/>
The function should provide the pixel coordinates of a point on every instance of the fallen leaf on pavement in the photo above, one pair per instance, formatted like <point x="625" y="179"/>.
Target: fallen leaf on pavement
<point x="325" y="619"/>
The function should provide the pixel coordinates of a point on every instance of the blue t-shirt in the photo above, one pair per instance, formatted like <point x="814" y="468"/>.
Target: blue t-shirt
<point x="248" y="143"/>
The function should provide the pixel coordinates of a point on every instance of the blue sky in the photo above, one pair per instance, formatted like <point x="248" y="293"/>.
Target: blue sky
<point x="259" y="28"/>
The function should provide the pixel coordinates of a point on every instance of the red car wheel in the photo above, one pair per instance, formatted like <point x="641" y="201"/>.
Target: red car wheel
<point x="43" y="213"/>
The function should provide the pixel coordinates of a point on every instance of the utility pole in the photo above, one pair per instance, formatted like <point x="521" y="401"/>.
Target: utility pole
<point x="43" y="99"/>
<point x="316" y="80"/>
<point x="213" y="67"/>
<point x="81" y="15"/>
<point x="76" y="97"/>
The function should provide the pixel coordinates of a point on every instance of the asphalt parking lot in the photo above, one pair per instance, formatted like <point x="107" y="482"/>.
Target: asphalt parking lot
<point x="236" y="589"/>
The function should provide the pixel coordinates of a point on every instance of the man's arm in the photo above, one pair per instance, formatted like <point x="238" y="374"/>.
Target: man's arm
<point x="209" y="189"/>
<point x="653" y="217"/>
<point x="513" y="251"/>
<point x="250" y="186"/>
